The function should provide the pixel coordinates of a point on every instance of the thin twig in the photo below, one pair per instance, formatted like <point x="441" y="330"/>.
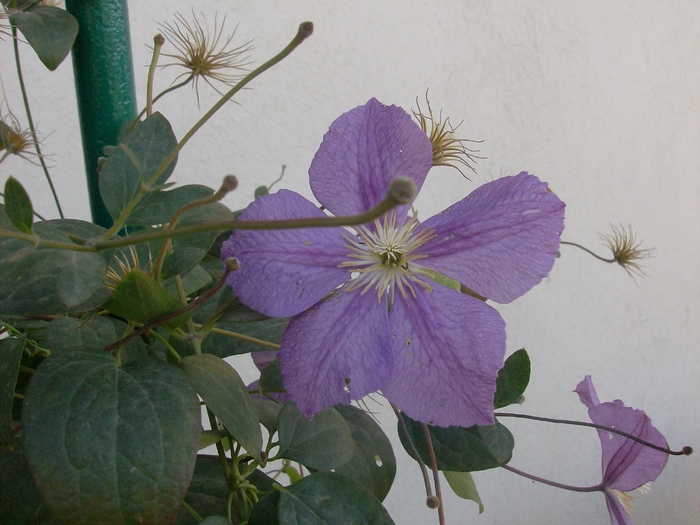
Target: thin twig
<point x="31" y="121"/>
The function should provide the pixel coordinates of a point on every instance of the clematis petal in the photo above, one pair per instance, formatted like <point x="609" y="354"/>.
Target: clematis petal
<point x="586" y="392"/>
<point x="501" y="240"/>
<point x="448" y="349"/>
<point x="617" y="511"/>
<point x="628" y="465"/>
<point x="283" y="272"/>
<point x="363" y="150"/>
<point x="337" y="351"/>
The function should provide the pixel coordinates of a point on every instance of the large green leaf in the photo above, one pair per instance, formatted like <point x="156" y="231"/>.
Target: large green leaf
<point x="323" y="443"/>
<point x="18" y="207"/>
<point x="373" y="464"/>
<point x="67" y="334"/>
<point x="160" y="206"/>
<point x="49" y="30"/>
<point x="512" y="379"/>
<point x="133" y="163"/>
<point x="327" y="498"/>
<point x="460" y="449"/>
<point x="224" y="392"/>
<point x="10" y="357"/>
<point x="108" y="444"/>
<point x="49" y="281"/>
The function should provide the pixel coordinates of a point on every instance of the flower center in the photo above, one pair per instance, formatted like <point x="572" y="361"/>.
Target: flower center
<point x="385" y="257"/>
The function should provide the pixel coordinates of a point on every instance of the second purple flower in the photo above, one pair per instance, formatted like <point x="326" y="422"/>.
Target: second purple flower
<point x="367" y="313"/>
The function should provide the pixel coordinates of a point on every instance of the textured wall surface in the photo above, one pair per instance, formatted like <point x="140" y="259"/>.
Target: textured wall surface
<point x="600" y="99"/>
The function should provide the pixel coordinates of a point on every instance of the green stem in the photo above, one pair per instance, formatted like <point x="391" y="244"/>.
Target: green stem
<point x="229" y="184"/>
<point x="242" y="337"/>
<point x="191" y="511"/>
<point x="588" y="251"/>
<point x="25" y="99"/>
<point x="316" y="222"/>
<point x="304" y="31"/>
<point x="158" y="96"/>
<point x="157" y="44"/>
<point x="167" y="345"/>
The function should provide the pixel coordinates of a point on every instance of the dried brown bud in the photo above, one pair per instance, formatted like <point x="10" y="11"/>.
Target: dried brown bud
<point x="229" y="183"/>
<point x="232" y="264"/>
<point x="305" y="30"/>
<point x="433" y="502"/>
<point x="402" y="190"/>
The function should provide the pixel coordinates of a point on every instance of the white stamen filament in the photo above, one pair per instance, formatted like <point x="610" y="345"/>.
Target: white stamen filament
<point x="385" y="257"/>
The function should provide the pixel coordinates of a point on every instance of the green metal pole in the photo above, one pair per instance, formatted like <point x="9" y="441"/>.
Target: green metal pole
<point x="104" y="79"/>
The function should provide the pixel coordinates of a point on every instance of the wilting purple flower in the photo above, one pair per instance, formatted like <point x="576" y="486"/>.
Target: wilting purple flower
<point x="367" y="313"/>
<point x="627" y="464"/>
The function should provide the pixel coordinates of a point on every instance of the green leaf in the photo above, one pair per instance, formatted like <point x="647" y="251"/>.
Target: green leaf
<point x="462" y="484"/>
<point x="182" y="261"/>
<point x="139" y="298"/>
<point x="111" y="444"/>
<point x="160" y="206"/>
<point x="214" y="520"/>
<point x="271" y="377"/>
<point x="373" y="464"/>
<point x="327" y="498"/>
<point x="10" y="357"/>
<point x="130" y="167"/>
<point x="512" y="379"/>
<point x="266" y="510"/>
<point x="20" y="502"/>
<point x="49" y="30"/>
<point x="270" y="330"/>
<point x="225" y="394"/>
<point x="268" y="412"/>
<point x="460" y="449"/>
<point x="18" y="207"/>
<point x="323" y="443"/>
<point x="201" y="214"/>
<point x="48" y="281"/>
<point x="67" y="334"/>
<point x="210" y="437"/>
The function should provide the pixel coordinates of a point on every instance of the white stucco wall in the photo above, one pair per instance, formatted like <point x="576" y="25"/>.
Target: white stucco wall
<point x="599" y="98"/>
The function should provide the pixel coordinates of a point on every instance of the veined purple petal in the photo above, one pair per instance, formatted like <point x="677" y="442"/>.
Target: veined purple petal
<point x="618" y="514"/>
<point x="628" y="465"/>
<point x="448" y="349"/>
<point x="337" y="351"/>
<point x="363" y="150"/>
<point x="586" y="392"/>
<point x="501" y="240"/>
<point x="283" y="272"/>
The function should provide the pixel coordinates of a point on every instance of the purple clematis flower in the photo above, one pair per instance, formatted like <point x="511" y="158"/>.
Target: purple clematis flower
<point x="627" y="465"/>
<point x="367" y="313"/>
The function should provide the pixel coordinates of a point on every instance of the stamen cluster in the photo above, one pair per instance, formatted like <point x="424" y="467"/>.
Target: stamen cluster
<point x="384" y="257"/>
